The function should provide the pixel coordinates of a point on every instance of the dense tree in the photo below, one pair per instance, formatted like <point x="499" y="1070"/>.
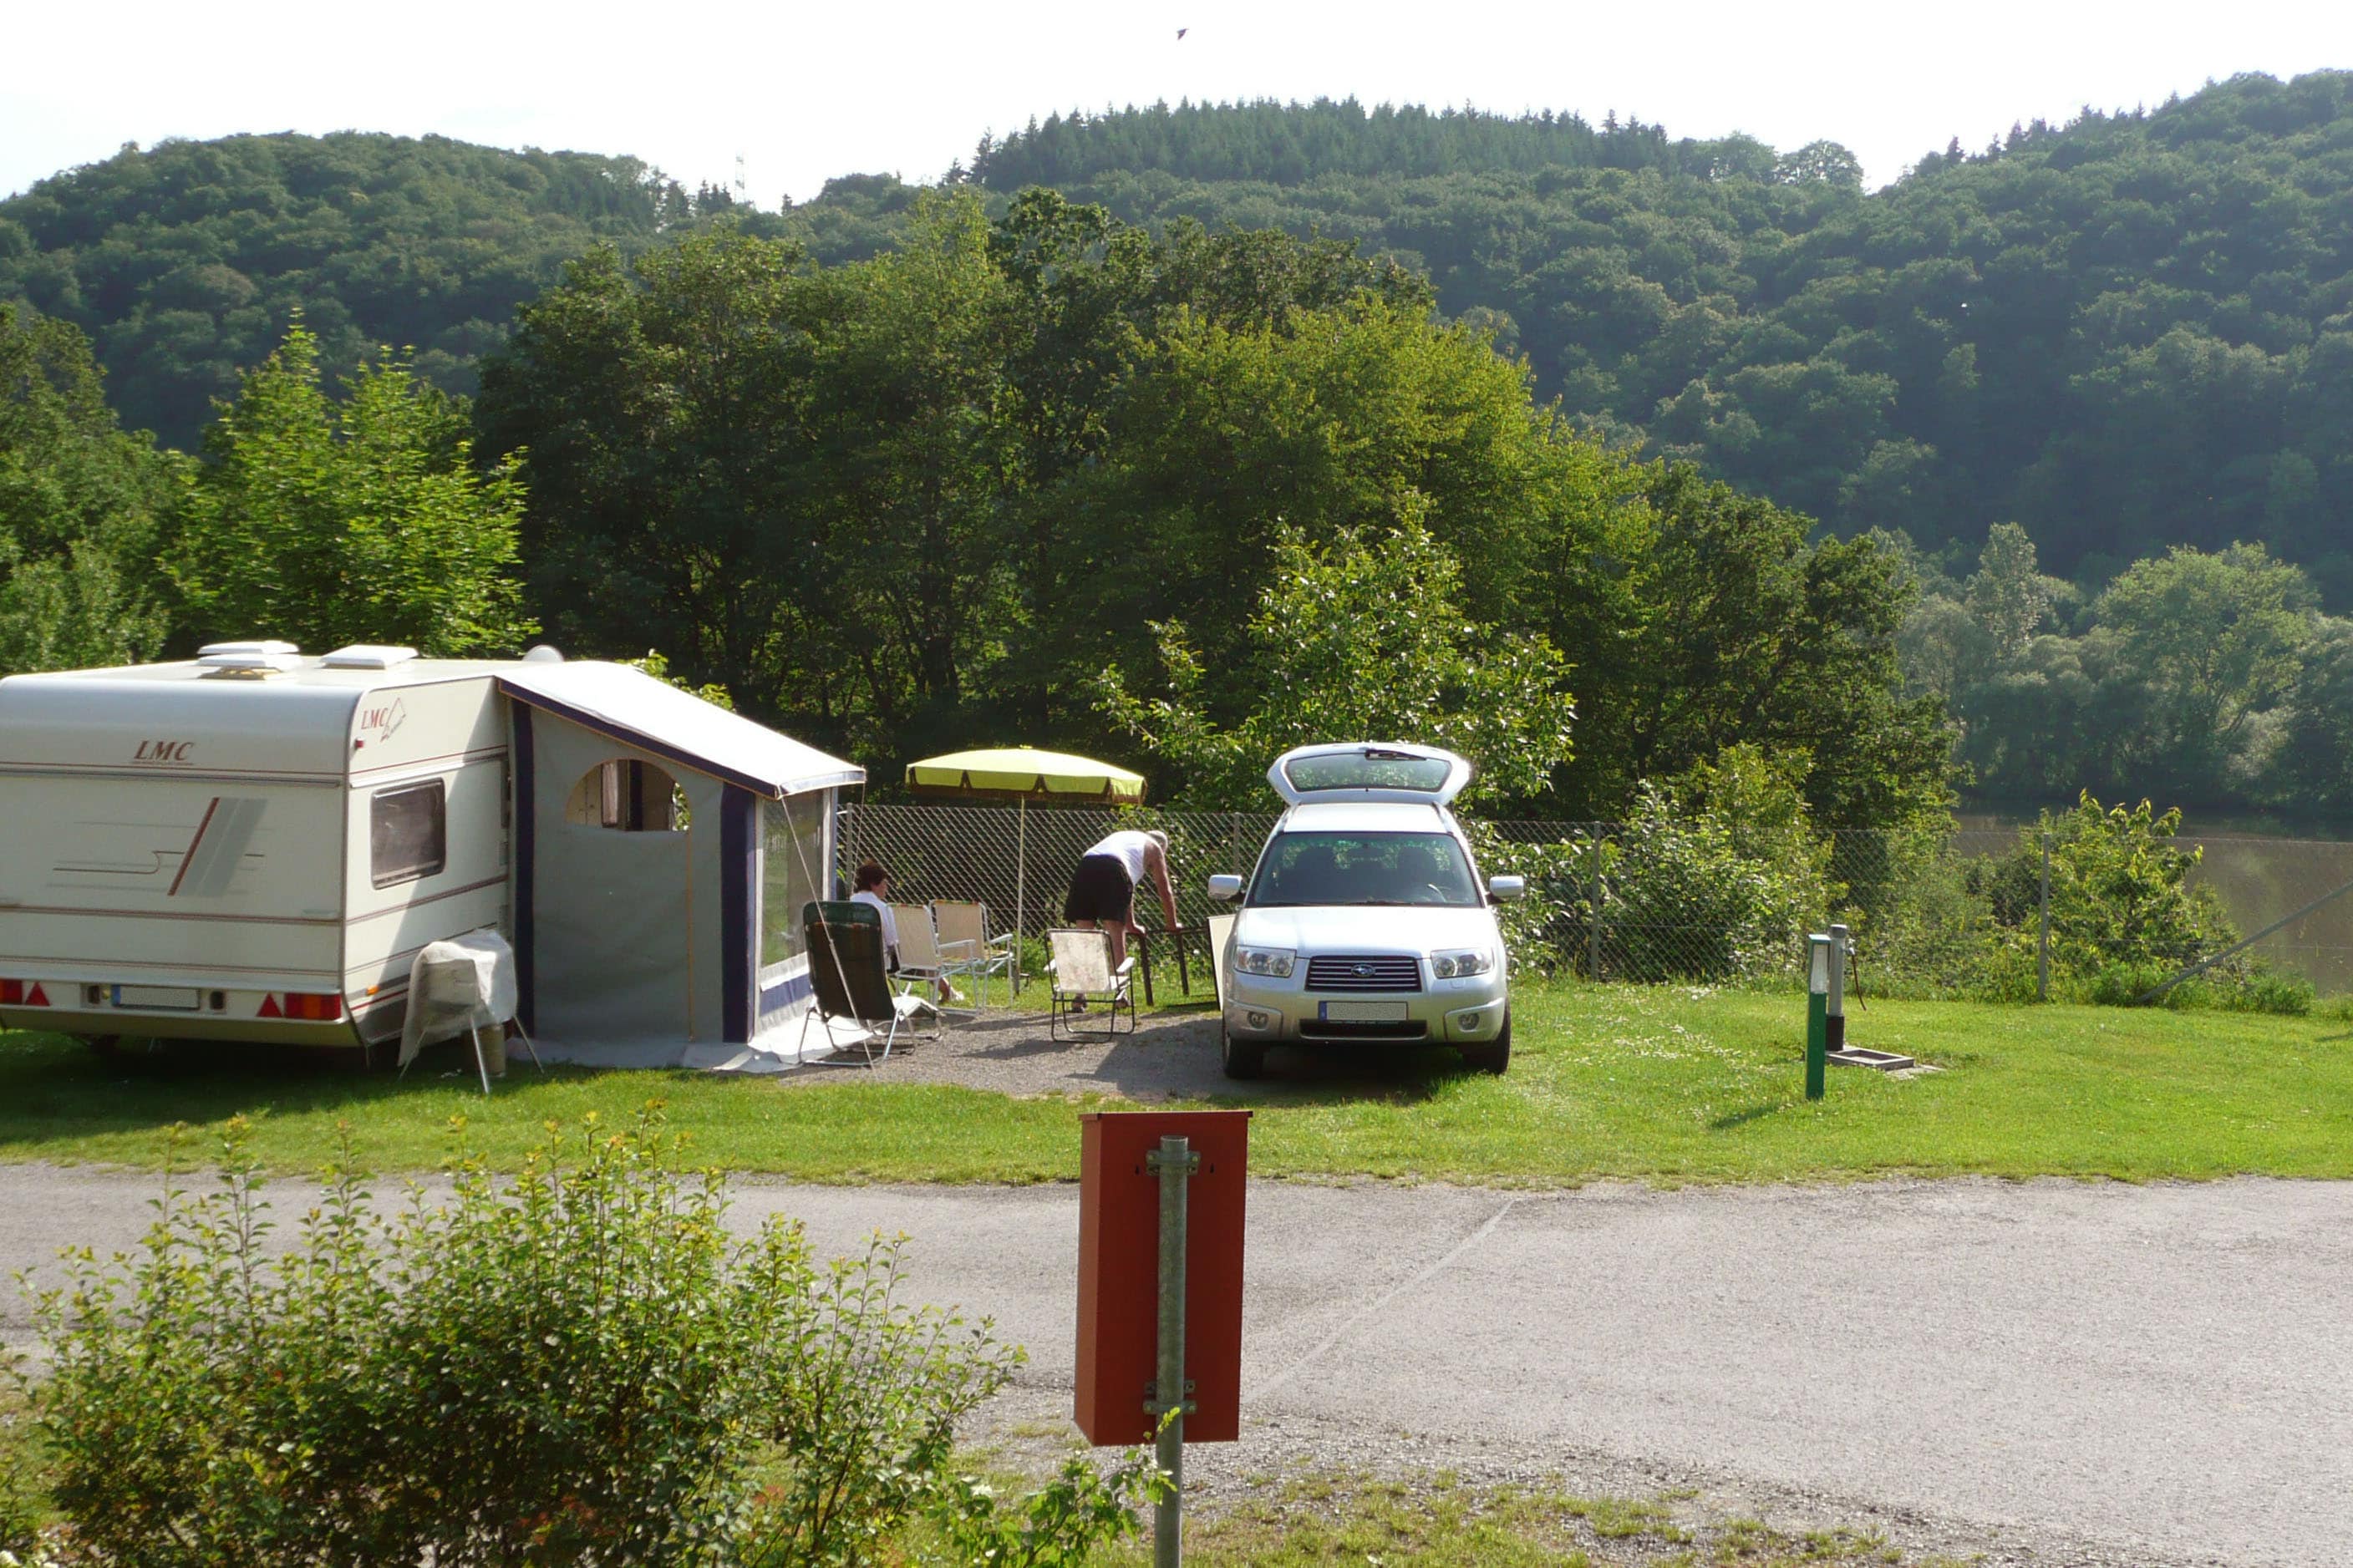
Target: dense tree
<point x="1362" y="638"/>
<point x="185" y="261"/>
<point x="2125" y="333"/>
<point x="2217" y="639"/>
<point x="359" y="522"/>
<point x="79" y="504"/>
<point x="1707" y="619"/>
<point x="927" y="498"/>
<point x="2208" y="677"/>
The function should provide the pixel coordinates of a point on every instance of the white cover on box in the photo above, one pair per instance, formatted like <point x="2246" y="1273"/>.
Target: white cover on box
<point x="456" y="986"/>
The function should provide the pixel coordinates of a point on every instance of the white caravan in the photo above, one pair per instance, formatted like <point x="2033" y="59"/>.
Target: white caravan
<point x="253" y="846"/>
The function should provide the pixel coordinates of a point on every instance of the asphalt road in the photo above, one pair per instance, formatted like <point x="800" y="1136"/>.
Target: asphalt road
<point x="2159" y="1372"/>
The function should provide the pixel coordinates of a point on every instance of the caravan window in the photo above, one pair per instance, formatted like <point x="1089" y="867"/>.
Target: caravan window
<point x="408" y="833"/>
<point x="795" y="862"/>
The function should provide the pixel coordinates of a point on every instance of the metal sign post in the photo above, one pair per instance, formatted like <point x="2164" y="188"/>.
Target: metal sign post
<point x="1175" y="1163"/>
<point x="1162" y="1199"/>
<point x="1817" y="1010"/>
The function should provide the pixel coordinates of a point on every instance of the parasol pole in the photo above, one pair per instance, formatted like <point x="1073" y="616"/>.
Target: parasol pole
<point x="1021" y="885"/>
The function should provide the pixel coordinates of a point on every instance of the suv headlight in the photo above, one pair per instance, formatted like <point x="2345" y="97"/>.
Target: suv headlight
<point x="1457" y="965"/>
<point x="1272" y="962"/>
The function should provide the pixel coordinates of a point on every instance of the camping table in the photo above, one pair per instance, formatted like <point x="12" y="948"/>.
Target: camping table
<point x="1181" y="938"/>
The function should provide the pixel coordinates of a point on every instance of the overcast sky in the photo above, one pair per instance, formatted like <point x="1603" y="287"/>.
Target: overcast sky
<point x="803" y="91"/>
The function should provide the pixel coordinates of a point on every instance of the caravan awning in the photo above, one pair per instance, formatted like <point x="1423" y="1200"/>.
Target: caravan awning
<point x="633" y="707"/>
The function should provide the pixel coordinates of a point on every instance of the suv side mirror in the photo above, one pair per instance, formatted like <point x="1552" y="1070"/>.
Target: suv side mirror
<point x="1225" y="887"/>
<point x="1507" y="889"/>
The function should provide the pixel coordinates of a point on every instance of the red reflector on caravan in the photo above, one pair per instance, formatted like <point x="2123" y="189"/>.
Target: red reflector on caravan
<point x="23" y="993"/>
<point x="270" y="1008"/>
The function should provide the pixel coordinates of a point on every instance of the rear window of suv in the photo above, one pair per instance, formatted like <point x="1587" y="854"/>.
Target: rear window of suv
<point x="1381" y="869"/>
<point x="1371" y="768"/>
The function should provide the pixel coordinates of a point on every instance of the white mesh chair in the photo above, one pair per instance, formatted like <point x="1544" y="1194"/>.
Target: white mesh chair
<point x="921" y="962"/>
<point x="967" y="949"/>
<point x="1080" y="976"/>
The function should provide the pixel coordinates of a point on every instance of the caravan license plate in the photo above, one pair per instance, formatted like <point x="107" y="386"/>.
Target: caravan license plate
<point x="162" y="998"/>
<point x="1363" y="1012"/>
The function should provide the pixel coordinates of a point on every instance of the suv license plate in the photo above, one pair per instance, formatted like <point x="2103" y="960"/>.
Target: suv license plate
<point x="1363" y="1012"/>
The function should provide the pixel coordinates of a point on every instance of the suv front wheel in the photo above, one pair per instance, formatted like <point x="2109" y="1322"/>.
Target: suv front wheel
<point x="1491" y="1056"/>
<point x="1241" y="1060"/>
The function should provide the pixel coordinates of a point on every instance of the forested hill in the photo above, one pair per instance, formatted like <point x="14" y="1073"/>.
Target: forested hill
<point x="2128" y="331"/>
<point x="2132" y="330"/>
<point x="1291" y="143"/>
<point x="183" y="262"/>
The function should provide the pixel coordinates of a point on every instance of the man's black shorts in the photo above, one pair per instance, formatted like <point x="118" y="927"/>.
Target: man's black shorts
<point x="1100" y="890"/>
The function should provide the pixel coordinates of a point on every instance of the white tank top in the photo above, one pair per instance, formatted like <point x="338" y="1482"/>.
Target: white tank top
<point x="1127" y="848"/>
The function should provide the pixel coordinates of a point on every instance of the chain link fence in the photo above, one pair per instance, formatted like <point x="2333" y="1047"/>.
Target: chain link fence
<point x="1936" y="912"/>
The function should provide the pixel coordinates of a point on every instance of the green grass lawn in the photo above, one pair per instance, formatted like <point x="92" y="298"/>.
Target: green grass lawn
<point x="1666" y="1084"/>
<point x="1325" y="1521"/>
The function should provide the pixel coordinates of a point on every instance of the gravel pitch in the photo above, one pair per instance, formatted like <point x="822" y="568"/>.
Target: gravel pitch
<point x="1171" y="1055"/>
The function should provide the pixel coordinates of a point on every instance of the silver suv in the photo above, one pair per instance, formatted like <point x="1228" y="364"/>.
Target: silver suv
<point x="1366" y="922"/>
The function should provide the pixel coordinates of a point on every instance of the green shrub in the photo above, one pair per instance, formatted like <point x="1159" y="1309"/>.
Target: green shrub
<point x="1714" y="876"/>
<point x="575" y="1364"/>
<point x="1682" y="903"/>
<point x="19" y="1515"/>
<point x="2120" y="891"/>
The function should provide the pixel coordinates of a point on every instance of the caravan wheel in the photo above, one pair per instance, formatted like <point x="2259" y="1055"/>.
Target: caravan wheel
<point x="123" y="1050"/>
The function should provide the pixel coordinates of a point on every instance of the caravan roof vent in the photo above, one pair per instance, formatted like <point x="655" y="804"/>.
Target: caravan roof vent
<point x="247" y="665"/>
<point x="211" y="648"/>
<point x="367" y="656"/>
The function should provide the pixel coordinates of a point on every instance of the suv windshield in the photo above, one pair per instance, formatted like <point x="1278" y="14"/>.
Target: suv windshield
<point x="1364" y="869"/>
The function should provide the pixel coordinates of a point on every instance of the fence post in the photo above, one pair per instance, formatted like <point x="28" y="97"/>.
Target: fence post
<point x="2042" y="945"/>
<point x="1593" y="919"/>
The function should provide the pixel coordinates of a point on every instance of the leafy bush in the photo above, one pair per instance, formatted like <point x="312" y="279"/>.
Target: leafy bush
<point x="2120" y="890"/>
<point x="1712" y="879"/>
<point x="1683" y="903"/>
<point x="19" y="1518"/>
<point x="576" y="1364"/>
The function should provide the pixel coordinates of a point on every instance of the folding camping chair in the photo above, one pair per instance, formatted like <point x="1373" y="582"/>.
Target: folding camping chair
<point x="1080" y="972"/>
<point x="969" y="950"/>
<point x="852" y="979"/>
<point x="920" y="961"/>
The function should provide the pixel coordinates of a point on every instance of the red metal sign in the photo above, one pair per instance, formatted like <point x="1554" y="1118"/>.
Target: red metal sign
<point x="1119" y="1241"/>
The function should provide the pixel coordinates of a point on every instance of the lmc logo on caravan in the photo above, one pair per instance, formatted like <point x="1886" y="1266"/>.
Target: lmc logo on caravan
<point x="168" y="752"/>
<point x="387" y="721"/>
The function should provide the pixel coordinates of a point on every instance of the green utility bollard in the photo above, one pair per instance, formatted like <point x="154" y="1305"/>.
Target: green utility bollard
<point x="1818" y="1012"/>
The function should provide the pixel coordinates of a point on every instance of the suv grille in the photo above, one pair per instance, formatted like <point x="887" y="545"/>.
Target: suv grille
<point x="1341" y="972"/>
